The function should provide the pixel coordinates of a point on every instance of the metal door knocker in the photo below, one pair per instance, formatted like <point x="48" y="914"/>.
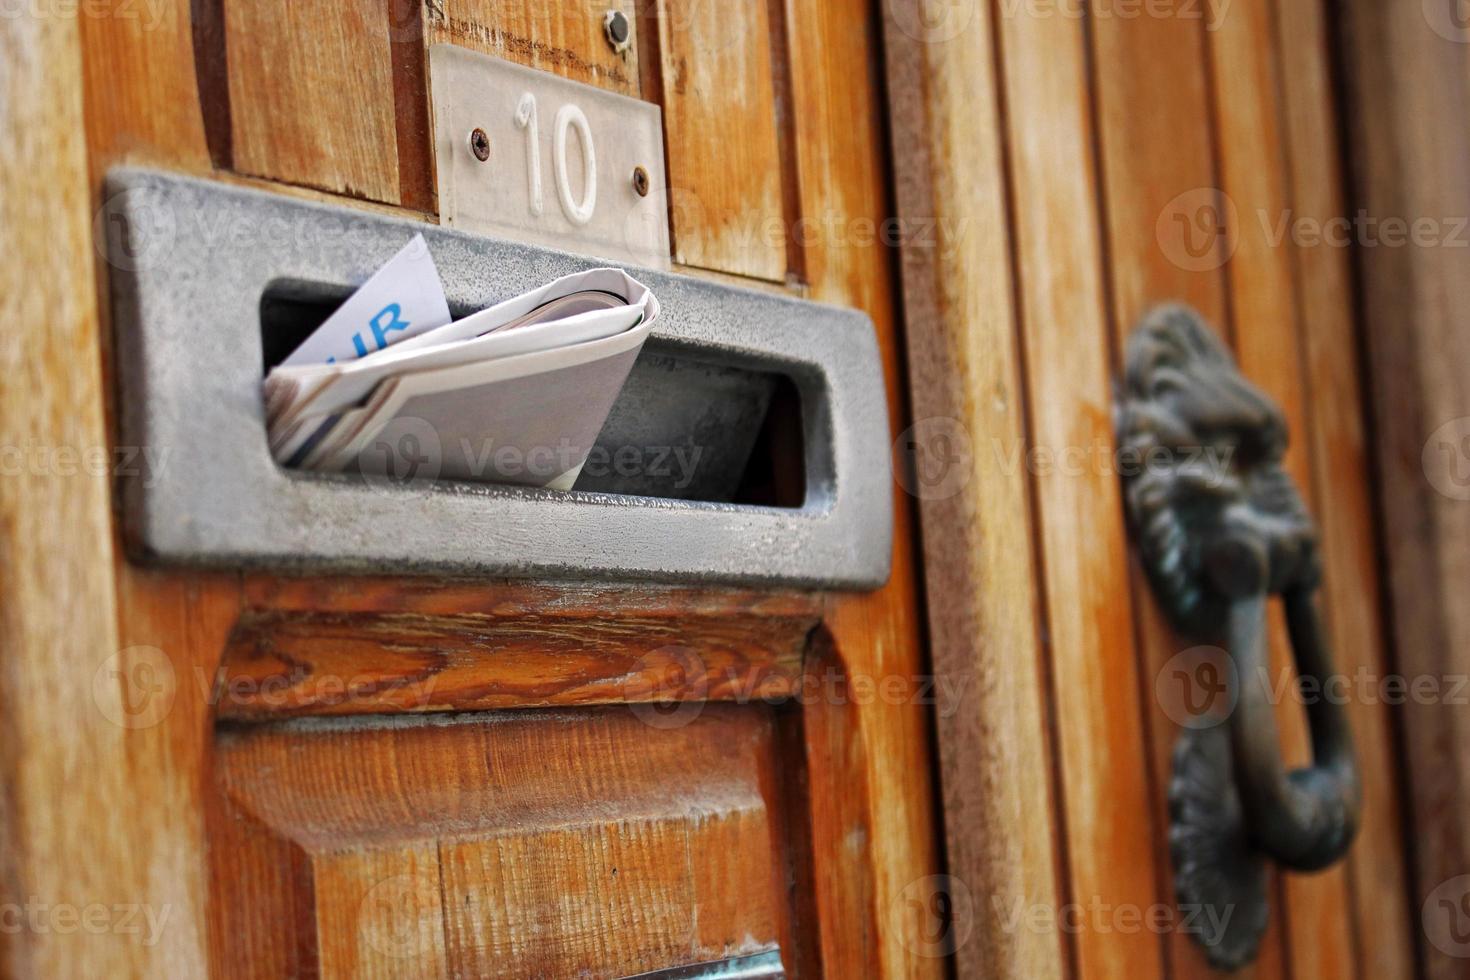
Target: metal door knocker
<point x="1220" y="527"/>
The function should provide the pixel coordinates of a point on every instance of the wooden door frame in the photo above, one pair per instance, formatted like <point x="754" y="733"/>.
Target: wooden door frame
<point x="101" y="812"/>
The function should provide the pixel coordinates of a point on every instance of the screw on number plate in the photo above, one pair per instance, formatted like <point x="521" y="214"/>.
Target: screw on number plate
<point x="619" y="32"/>
<point x="640" y="181"/>
<point x="480" y="144"/>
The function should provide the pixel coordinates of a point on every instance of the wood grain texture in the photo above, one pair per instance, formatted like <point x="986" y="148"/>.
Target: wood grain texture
<point x="142" y="106"/>
<point x="1106" y="797"/>
<point x="999" y="811"/>
<point x="525" y="861"/>
<point x="1159" y="186"/>
<point x="142" y="97"/>
<point x="1268" y="345"/>
<point x="1383" y="925"/>
<point x="311" y="94"/>
<point x="564" y="38"/>
<point x="724" y="159"/>
<point x="837" y="117"/>
<point x="60" y="698"/>
<point x="279" y="665"/>
<point x="1408" y="93"/>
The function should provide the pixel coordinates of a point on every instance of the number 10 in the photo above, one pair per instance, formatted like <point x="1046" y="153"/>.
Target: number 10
<point x="568" y="117"/>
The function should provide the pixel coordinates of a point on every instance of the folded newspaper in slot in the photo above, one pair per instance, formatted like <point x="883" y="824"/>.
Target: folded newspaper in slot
<point x="516" y="393"/>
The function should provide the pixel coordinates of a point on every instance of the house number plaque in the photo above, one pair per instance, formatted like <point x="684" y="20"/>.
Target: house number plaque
<point x="526" y="155"/>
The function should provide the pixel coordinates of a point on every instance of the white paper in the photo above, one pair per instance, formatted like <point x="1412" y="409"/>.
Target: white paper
<point x="402" y="300"/>
<point x="531" y="378"/>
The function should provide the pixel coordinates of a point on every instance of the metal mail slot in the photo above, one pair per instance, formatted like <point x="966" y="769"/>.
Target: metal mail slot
<point x="201" y="271"/>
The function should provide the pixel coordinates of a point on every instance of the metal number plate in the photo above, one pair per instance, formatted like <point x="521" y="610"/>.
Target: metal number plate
<point x="526" y="155"/>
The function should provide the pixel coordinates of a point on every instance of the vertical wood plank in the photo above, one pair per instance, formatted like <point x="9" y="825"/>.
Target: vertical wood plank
<point x="1406" y="74"/>
<point x="311" y="94"/>
<point x="995" y="763"/>
<point x="59" y="698"/>
<point x="565" y="39"/>
<point x="1160" y="192"/>
<point x="142" y="98"/>
<point x="142" y="106"/>
<point x="837" y="117"/>
<point x="1252" y="170"/>
<point x="1382" y="911"/>
<point x="1108" y="805"/>
<point x="723" y="154"/>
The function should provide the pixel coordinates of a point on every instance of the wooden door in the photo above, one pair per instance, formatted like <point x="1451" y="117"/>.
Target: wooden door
<point x="393" y="775"/>
<point x="1063" y="151"/>
<point x="965" y="771"/>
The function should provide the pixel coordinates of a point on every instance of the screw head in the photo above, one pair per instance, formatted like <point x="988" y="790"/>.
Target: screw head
<point x="618" y="30"/>
<point x="640" y="181"/>
<point x="480" y="144"/>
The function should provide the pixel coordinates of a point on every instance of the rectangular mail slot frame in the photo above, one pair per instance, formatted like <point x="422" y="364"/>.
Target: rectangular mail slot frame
<point x="204" y="275"/>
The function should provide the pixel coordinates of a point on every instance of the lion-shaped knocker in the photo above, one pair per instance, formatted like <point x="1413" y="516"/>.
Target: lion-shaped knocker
<point x="1220" y="528"/>
<point x="1215" y="514"/>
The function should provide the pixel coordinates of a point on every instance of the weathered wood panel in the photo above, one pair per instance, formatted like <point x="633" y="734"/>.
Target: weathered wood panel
<point x="725" y="176"/>
<point x="1111" y="830"/>
<point x="1001" y="820"/>
<point x="311" y="94"/>
<point x="1406" y="73"/>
